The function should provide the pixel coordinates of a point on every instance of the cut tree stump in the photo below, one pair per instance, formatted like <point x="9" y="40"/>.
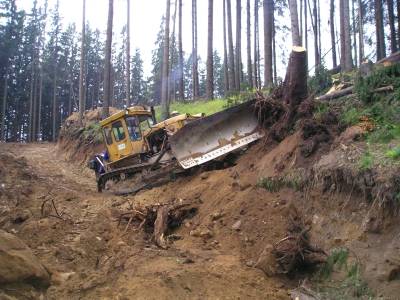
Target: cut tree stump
<point x="295" y="84"/>
<point x="161" y="226"/>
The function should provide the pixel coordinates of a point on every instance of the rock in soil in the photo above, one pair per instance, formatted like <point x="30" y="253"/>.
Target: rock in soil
<point x="19" y="264"/>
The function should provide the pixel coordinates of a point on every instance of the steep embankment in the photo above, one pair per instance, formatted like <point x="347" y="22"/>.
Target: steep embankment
<point x="78" y="143"/>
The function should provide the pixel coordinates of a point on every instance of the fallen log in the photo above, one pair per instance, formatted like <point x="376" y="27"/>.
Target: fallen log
<point x="337" y="94"/>
<point x="390" y="60"/>
<point x="349" y="91"/>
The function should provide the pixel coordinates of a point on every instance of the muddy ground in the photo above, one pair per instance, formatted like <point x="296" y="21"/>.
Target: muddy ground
<point x="210" y="256"/>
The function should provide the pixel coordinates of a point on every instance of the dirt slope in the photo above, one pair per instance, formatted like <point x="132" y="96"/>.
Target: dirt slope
<point x="90" y="257"/>
<point x="214" y="253"/>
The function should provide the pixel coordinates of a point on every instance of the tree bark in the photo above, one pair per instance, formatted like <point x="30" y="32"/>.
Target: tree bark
<point x="107" y="67"/>
<point x="226" y="69"/>
<point x="180" y="56"/>
<point x="128" y="53"/>
<point x="165" y="68"/>
<point x="393" y="40"/>
<point x="268" y="24"/>
<point x="238" y="50"/>
<point x="249" y="62"/>
<point x="294" y="21"/>
<point x="82" y="67"/>
<point x="231" y="57"/>
<point x="332" y="27"/>
<point x="210" y="65"/>
<point x="380" y="35"/>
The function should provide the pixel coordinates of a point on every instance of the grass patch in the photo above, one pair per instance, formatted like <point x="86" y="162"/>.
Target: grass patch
<point x="195" y="107"/>
<point x="393" y="153"/>
<point x="351" y="286"/>
<point x="275" y="184"/>
<point x="366" y="161"/>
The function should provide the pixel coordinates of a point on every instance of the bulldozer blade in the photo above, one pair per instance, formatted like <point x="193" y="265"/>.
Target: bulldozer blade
<point x="210" y="137"/>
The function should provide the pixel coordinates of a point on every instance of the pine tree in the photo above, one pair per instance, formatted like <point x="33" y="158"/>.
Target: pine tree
<point x="82" y="65"/>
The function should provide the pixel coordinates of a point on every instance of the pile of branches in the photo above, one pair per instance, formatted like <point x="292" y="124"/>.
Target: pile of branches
<point x="158" y="220"/>
<point x="295" y="252"/>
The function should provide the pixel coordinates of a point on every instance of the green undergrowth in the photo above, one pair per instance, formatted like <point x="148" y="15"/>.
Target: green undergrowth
<point x="382" y="110"/>
<point x="92" y="133"/>
<point x="347" y="282"/>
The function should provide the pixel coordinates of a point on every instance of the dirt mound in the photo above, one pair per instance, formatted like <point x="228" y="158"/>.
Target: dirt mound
<point x="80" y="143"/>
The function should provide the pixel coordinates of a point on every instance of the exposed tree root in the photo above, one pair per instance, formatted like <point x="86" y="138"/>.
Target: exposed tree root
<point x="158" y="220"/>
<point x="295" y="252"/>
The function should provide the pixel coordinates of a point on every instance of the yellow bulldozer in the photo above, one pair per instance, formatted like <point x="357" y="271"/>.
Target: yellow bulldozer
<point x="139" y="146"/>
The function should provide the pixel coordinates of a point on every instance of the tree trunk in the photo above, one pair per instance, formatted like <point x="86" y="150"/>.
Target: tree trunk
<point x="195" y="72"/>
<point x="294" y="21"/>
<point x="128" y="53"/>
<point x="393" y="40"/>
<point x="226" y="69"/>
<point x="107" y="64"/>
<point x="231" y="56"/>
<point x="301" y="21"/>
<point x="55" y="74"/>
<point x="180" y="56"/>
<point x="171" y="73"/>
<point x="332" y="27"/>
<point x="268" y="24"/>
<point x="165" y="68"/>
<point x="314" y="19"/>
<point x="360" y="33"/>
<point x="345" y="39"/>
<point x="306" y="24"/>
<point x="398" y="21"/>
<point x="31" y="92"/>
<point x="42" y="45"/>
<point x="354" y="32"/>
<point x="380" y="35"/>
<point x="255" y="69"/>
<point x="249" y="63"/>
<point x="238" y="50"/>
<point x="82" y="67"/>
<point x="274" y="49"/>
<point x="210" y="65"/>
<point x="3" y="136"/>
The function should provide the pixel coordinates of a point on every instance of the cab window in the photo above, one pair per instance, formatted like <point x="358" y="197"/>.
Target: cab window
<point x="118" y="131"/>
<point x="107" y="135"/>
<point x="145" y="123"/>
<point x="133" y="127"/>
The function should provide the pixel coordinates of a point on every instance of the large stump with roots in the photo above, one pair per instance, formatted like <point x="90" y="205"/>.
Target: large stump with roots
<point x="283" y="106"/>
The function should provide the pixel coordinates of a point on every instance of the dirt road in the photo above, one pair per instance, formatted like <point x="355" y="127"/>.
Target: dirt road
<point x="90" y="257"/>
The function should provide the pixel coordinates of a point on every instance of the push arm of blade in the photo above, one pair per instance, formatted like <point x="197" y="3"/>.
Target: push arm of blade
<point x="101" y="163"/>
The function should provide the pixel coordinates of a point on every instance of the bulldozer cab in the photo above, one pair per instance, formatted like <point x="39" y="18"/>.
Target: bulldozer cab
<point x="124" y="132"/>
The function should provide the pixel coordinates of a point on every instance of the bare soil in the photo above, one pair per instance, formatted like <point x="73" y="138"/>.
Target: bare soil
<point x="213" y="255"/>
